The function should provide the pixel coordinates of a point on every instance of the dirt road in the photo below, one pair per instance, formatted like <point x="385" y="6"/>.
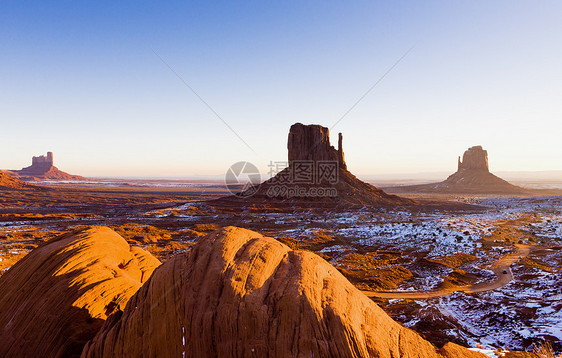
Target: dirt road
<point x="498" y="267"/>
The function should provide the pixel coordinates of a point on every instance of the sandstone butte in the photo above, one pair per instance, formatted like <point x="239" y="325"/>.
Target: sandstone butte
<point x="240" y="294"/>
<point x="472" y="177"/>
<point x="43" y="168"/>
<point x="311" y="143"/>
<point x="57" y="297"/>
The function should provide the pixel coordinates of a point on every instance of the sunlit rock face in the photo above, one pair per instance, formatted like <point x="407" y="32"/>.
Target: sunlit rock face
<point x="240" y="294"/>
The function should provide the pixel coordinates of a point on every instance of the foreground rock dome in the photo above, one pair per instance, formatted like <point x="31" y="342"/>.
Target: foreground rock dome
<point x="240" y="294"/>
<point x="57" y="297"/>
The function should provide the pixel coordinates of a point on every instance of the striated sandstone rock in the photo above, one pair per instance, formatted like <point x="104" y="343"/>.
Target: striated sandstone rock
<point x="240" y="294"/>
<point x="56" y="298"/>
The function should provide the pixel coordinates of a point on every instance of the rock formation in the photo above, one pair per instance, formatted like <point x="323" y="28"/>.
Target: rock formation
<point x="240" y="294"/>
<point x="472" y="177"/>
<point x="42" y="168"/>
<point x="57" y="297"/>
<point x="316" y="176"/>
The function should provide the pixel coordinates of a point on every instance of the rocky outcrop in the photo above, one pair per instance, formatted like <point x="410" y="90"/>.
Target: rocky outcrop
<point x="42" y="168"/>
<point x="9" y="182"/>
<point x="316" y="176"/>
<point x="472" y="177"/>
<point x="57" y="297"/>
<point x="240" y="294"/>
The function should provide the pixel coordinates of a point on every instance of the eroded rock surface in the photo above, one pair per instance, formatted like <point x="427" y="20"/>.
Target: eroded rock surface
<point x="57" y="297"/>
<point x="240" y="294"/>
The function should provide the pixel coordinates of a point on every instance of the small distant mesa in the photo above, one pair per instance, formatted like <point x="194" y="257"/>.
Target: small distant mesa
<point x="472" y="177"/>
<point x="42" y="168"/>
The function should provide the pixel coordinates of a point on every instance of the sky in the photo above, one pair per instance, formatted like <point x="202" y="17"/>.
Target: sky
<point x="105" y="85"/>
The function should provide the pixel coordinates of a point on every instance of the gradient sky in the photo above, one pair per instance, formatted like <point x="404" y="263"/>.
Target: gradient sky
<point x="79" y="78"/>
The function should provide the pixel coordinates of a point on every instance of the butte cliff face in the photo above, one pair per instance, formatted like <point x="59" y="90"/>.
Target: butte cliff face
<point x="42" y="168"/>
<point x="312" y="143"/>
<point x="475" y="158"/>
<point x="316" y="176"/>
<point x="472" y="177"/>
<point x="57" y="297"/>
<point x="240" y="294"/>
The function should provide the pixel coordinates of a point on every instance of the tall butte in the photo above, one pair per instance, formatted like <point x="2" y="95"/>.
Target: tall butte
<point x="316" y="176"/>
<point x="472" y="177"/>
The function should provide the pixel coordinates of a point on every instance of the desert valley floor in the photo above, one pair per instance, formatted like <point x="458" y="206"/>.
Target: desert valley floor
<point x="486" y="275"/>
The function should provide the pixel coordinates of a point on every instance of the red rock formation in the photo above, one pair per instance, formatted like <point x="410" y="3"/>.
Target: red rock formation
<point x="56" y="298"/>
<point x="240" y="294"/>
<point x="42" y="168"/>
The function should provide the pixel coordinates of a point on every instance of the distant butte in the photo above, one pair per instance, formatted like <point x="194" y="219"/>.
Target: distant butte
<point x="42" y="168"/>
<point x="472" y="177"/>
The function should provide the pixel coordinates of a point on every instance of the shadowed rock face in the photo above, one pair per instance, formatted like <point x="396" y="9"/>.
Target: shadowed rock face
<point x="240" y="294"/>
<point x="57" y="297"/>
<point x="312" y="142"/>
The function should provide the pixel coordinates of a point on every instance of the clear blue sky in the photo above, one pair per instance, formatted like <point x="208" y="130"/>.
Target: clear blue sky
<point x="79" y="78"/>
